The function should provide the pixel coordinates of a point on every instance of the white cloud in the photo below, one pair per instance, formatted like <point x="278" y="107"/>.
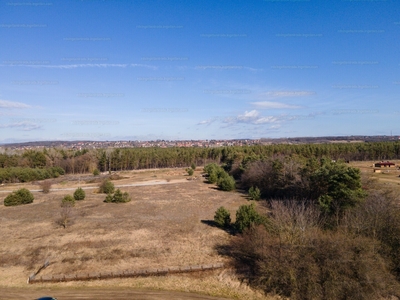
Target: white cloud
<point x="12" y="104"/>
<point x="206" y="122"/>
<point x="252" y="117"/>
<point x="249" y="115"/>
<point x="273" y="105"/>
<point x="24" y="126"/>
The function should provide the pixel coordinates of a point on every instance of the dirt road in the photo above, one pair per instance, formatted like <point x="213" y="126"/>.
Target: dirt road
<point x="145" y="183"/>
<point x="98" y="294"/>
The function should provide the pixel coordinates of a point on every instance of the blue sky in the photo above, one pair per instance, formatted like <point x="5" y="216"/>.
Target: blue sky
<point x="143" y="70"/>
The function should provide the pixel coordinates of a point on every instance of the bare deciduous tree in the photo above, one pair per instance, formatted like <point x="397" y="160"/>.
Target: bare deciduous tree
<point x="66" y="214"/>
<point x="46" y="186"/>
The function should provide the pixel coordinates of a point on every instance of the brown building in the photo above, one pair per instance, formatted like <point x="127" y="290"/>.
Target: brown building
<point x="385" y="164"/>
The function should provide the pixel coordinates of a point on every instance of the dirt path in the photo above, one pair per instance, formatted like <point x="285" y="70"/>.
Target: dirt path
<point x="99" y="294"/>
<point x="145" y="183"/>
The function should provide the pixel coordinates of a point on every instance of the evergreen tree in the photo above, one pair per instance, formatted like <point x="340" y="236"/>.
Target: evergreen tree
<point x="79" y="194"/>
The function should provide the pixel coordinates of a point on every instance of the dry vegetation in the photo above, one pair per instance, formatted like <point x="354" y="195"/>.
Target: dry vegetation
<point x="387" y="179"/>
<point x="161" y="226"/>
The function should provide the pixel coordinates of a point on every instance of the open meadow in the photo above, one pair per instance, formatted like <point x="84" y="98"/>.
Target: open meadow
<point x="164" y="225"/>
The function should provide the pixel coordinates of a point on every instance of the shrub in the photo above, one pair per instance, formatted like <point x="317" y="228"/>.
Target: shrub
<point x="79" y="194"/>
<point x="212" y="177"/>
<point x="218" y="175"/>
<point x="222" y="217"/>
<point x="21" y="196"/>
<point x="226" y="182"/>
<point x="56" y="171"/>
<point x="46" y="186"/>
<point x="20" y="174"/>
<point x="68" y="201"/>
<point x="109" y="198"/>
<point x="96" y="172"/>
<point x="190" y="171"/>
<point x="324" y="266"/>
<point x="211" y="167"/>
<point x="246" y="216"/>
<point x="297" y="258"/>
<point x="106" y="187"/>
<point x="379" y="218"/>
<point x="118" y="197"/>
<point x="213" y="172"/>
<point x="254" y="193"/>
<point x="193" y="166"/>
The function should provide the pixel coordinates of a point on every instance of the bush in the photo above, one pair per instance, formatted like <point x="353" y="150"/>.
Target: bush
<point x="118" y="197"/>
<point x="211" y="167"/>
<point x="222" y="217"/>
<point x="68" y="201"/>
<point x="106" y="187"/>
<point x="19" y="174"/>
<point x="216" y="174"/>
<point x="79" y="194"/>
<point x="212" y="177"/>
<point x="46" y="186"/>
<point x="21" y="196"/>
<point x="297" y="258"/>
<point x="56" y="171"/>
<point x="213" y="172"/>
<point x="379" y="218"/>
<point x="109" y="198"/>
<point x="247" y="216"/>
<point x="324" y="266"/>
<point x="190" y="171"/>
<point x="193" y="166"/>
<point x="254" y="193"/>
<point x="96" y="172"/>
<point x="226" y="182"/>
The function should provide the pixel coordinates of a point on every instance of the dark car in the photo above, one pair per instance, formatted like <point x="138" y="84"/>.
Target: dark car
<point x="46" y="298"/>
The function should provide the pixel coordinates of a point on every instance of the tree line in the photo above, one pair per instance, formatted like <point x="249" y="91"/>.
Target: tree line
<point x="121" y="159"/>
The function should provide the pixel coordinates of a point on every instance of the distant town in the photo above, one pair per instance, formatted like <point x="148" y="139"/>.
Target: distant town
<point x="193" y="143"/>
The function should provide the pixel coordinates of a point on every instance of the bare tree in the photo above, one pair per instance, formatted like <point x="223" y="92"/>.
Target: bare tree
<point x="295" y="220"/>
<point x="66" y="214"/>
<point x="46" y="186"/>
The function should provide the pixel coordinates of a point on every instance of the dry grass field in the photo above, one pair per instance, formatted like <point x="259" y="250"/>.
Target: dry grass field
<point x="160" y="227"/>
<point x="388" y="178"/>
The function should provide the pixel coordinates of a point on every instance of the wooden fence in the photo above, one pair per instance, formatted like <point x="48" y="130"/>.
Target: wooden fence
<point x="124" y="274"/>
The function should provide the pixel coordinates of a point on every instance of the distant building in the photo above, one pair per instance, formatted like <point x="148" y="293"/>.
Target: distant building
<point x="385" y="164"/>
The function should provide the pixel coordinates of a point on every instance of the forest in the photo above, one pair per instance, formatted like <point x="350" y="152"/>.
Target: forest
<point x="121" y="159"/>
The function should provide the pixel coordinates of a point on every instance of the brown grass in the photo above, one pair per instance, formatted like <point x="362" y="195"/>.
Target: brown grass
<point x="160" y="227"/>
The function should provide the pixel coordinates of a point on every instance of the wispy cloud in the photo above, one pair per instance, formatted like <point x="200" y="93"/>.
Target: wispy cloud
<point x="273" y="105"/>
<point x="12" y="104"/>
<point x="144" y="66"/>
<point x="206" y="122"/>
<point x="75" y="66"/>
<point x="225" y="67"/>
<point x="282" y="94"/>
<point x="24" y="126"/>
